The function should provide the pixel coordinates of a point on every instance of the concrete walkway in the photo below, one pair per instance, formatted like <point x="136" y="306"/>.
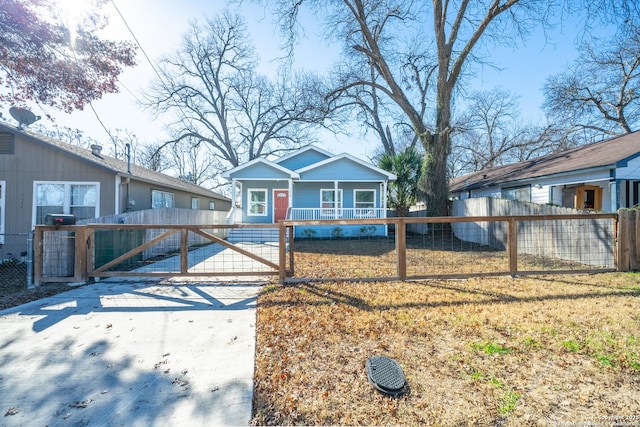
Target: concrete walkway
<point x="133" y="353"/>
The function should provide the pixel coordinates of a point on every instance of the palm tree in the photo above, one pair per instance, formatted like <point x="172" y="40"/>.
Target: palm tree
<point x="403" y="192"/>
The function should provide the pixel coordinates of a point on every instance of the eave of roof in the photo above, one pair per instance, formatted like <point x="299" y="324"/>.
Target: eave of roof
<point x="389" y="175"/>
<point x="304" y="150"/>
<point x="115" y="166"/>
<point x="600" y="155"/>
<point x="292" y="174"/>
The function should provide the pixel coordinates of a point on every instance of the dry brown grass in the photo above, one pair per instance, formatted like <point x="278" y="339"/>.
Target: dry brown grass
<point x="376" y="258"/>
<point x="500" y="351"/>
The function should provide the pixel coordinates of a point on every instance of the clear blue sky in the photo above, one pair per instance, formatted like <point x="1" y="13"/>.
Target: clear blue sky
<point x="159" y="24"/>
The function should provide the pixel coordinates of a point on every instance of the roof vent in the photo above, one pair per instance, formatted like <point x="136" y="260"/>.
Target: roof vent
<point x="96" y="149"/>
<point x="484" y="176"/>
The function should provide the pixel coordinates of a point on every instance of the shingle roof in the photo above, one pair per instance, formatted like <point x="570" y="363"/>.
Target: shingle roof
<point x="116" y="166"/>
<point x="600" y="154"/>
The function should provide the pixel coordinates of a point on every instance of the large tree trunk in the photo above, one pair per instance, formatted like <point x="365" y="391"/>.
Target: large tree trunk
<point x="435" y="183"/>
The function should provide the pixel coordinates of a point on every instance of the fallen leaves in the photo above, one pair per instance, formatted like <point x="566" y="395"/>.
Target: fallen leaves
<point x="487" y="350"/>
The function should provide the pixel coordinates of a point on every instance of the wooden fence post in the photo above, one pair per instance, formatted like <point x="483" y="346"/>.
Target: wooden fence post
<point x="624" y="241"/>
<point x="37" y="256"/>
<point x="291" y="271"/>
<point x="184" y="250"/>
<point x="282" y="240"/>
<point x="401" y="248"/>
<point x="512" y="245"/>
<point x="80" y="265"/>
<point x="91" y="250"/>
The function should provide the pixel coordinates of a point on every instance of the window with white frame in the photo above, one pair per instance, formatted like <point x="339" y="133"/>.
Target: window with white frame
<point x="78" y="199"/>
<point x="364" y="201"/>
<point x="3" y="186"/>
<point x="212" y="205"/>
<point x="162" y="199"/>
<point x="330" y="199"/>
<point x="195" y="203"/>
<point x="257" y="202"/>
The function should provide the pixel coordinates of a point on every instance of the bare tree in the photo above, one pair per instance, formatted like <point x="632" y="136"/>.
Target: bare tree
<point x="375" y="30"/>
<point x="372" y="107"/>
<point x="192" y="162"/>
<point x="65" y="134"/>
<point x="151" y="157"/>
<point x="491" y="133"/>
<point x="598" y="95"/>
<point x="212" y="87"/>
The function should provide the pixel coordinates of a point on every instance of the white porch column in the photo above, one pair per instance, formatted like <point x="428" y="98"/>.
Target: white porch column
<point x="233" y="193"/>
<point x="335" y="199"/>
<point x="232" y="216"/>
<point x="290" y="193"/>
<point x="384" y="198"/>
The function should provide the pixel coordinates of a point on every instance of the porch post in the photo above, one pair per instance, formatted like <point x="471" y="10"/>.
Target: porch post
<point x="233" y="201"/>
<point x="290" y="193"/>
<point x="384" y="198"/>
<point x="335" y="199"/>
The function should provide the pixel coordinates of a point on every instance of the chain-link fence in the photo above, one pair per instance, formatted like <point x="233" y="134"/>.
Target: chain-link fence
<point x="16" y="261"/>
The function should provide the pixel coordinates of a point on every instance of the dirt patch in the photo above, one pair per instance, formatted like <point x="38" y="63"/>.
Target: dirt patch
<point x="528" y="351"/>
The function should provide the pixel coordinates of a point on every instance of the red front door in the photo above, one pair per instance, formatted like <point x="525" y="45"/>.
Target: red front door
<point x="281" y="204"/>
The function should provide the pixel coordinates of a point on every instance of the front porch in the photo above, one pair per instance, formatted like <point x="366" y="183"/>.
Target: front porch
<point x="306" y="214"/>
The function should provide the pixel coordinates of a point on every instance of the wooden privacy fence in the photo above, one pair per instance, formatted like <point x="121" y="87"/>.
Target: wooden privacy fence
<point x="443" y="247"/>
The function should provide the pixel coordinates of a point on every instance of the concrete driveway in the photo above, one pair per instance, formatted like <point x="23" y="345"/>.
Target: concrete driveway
<point x="132" y="353"/>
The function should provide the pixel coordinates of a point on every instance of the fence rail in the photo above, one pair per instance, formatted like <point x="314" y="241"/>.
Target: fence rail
<point x="442" y="247"/>
<point x="76" y="253"/>
<point x="458" y="247"/>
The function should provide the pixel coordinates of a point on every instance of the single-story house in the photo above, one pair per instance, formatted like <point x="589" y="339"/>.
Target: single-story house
<point x="40" y="176"/>
<point x="601" y="176"/>
<point x="310" y="184"/>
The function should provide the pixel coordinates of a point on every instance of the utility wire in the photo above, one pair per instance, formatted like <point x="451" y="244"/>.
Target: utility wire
<point x="153" y="67"/>
<point x="144" y="52"/>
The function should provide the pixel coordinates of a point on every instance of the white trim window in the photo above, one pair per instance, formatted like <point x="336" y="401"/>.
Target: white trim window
<point x="81" y="199"/>
<point x="162" y="199"/>
<point x="256" y="202"/>
<point x="212" y="205"/>
<point x="330" y="200"/>
<point x="3" y="195"/>
<point x="364" y="201"/>
<point x="195" y="203"/>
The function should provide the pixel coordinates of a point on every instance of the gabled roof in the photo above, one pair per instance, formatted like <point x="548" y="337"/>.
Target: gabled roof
<point x="116" y="166"/>
<point x="302" y="151"/>
<point x="598" y="155"/>
<point x="260" y="160"/>
<point x="333" y="159"/>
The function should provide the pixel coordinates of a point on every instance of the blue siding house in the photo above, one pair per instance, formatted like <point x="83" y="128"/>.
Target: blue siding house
<point x="310" y="184"/>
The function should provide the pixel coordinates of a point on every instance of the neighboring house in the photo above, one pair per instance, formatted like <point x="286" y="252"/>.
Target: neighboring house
<point x="40" y="176"/>
<point x="602" y="176"/>
<point x="310" y="184"/>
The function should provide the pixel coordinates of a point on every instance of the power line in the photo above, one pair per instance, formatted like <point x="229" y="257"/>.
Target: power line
<point x="126" y="24"/>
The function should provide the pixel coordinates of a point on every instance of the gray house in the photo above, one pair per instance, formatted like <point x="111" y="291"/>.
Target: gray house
<point x="40" y="176"/>
<point x="310" y="184"/>
<point x="602" y="176"/>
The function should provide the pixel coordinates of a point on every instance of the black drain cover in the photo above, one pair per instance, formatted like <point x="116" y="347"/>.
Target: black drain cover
<point x="386" y="375"/>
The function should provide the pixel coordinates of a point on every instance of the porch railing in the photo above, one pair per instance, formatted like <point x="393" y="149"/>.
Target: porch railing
<point x="306" y="214"/>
